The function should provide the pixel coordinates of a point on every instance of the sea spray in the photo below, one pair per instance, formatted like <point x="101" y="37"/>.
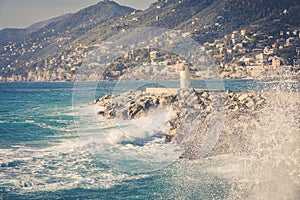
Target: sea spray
<point x="257" y="155"/>
<point x="275" y="148"/>
<point x="266" y="162"/>
<point x="265" y="157"/>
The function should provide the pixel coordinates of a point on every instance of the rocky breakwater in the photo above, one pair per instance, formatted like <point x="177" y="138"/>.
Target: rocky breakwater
<point x="193" y="110"/>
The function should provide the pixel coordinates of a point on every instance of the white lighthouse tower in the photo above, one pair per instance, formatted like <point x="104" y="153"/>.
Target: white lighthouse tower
<point x="185" y="78"/>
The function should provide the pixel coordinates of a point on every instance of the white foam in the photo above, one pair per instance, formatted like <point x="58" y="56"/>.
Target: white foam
<point x="67" y="163"/>
<point x="116" y="142"/>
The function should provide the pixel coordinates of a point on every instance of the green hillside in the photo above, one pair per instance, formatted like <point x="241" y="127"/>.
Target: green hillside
<point x="57" y="50"/>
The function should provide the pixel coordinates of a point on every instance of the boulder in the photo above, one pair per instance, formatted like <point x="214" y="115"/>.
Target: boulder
<point x="122" y="113"/>
<point x="199" y="106"/>
<point x="110" y="114"/>
<point x="133" y="112"/>
<point x="155" y="101"/>
<point x="242" y="97"/>
<point x="107" y="96"/>
<point x="164" y="101"/>
<point x="146" y="104"/>
<point x="250" y="103"/>
<point x="102" y="113"/>
<point x="229" y="93"/>
<point x="191" y="116"/>
<point x="173" y="132"/>
<point x="96" y="101"/>
<point x="190" y="106"/>
<point x="186" y="93"/>
<point x="192" y="100"/>
<point x="205" y="95"/>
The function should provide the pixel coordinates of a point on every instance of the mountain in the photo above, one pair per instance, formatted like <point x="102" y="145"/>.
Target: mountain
<point x="15" y="34"/>
<point x="67" y="28"/>
<point x="12" y="34"/>
<point x="223" y="17"/>
<point x="198" y="17"/>
<point x="20" y="55"/>
<point x="55" y="51"/>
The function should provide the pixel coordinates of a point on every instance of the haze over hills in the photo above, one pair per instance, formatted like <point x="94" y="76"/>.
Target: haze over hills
<point x="54" y="50"/>
<point x="14" y="34"/>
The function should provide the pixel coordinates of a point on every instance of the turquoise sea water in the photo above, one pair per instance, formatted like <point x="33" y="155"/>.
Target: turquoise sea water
<point x="42" y="157"/>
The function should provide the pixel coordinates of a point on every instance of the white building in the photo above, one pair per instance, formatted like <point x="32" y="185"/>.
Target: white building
<point x="185" y="78"/>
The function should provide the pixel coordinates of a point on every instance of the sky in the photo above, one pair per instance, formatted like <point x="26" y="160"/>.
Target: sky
<point x="22" y="13"/>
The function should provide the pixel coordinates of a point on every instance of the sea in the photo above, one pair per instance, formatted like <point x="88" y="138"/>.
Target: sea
<point x="45" y="155"/>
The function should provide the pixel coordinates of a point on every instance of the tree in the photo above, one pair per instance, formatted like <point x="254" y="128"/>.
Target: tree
<point x="241" y="63"/>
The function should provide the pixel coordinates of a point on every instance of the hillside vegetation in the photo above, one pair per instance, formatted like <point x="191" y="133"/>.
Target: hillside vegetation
<point x="55" y="49"/>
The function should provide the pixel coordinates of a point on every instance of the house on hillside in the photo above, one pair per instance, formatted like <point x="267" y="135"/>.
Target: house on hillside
<point x="218" y="57"/>
<point x="268" y="50"/>
<point x="154" y="54"/>
<point x="261" y="59"/>
<point x="243" y="32"/>
<point x="277" y="62"/>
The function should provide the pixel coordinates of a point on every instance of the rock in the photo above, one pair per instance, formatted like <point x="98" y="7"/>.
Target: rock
<point x="229" y="93"/>
<point x="155" y="101"/>
<point x="110" y="114"/>
<point x="199" y="106"/>
<point x="107" y="96"/>
<point x="102" y="113"/>
<point x="138" y="93"/>
<point x="191" y="116"/>
<point x="184" y="111"/>
<point x="250" y="103"/>
<point x="205" y="95"/>
<point x="176" y="104"/>
<point x="242" y="97"/>
<point x="186" y="93"/>
<point x="208" y="109"/>
<point x="164" y="101"/>
<point x="260" y="102"/>
<point x="96" y="101"/>
<point x="193" y="100"/>
<point x="134" y="111"/>
<point x="146" y="104"/>
<point x="107" y="106"/>
<point x="168" y="138"/>
<point x="173" y="132"/>
<point x="190" y="107"/>
<point x="122" y="113"/>
<point x="182" y="102"/>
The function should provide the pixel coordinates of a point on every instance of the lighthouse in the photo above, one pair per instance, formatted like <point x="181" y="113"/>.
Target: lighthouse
<point x="185" y="78"/>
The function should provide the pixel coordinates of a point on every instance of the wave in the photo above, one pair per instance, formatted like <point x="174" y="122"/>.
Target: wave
<point x="64" y="165"/>
<point x="107" y="150"/>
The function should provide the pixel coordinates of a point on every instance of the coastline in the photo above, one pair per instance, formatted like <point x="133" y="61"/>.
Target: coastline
<point x="194" y="113"/>
<point x="248" y="149"/>
<point x="244" y="73"/>
<point x="192" y="110"/>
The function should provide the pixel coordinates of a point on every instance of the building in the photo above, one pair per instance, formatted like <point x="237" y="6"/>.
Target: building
<point x="276" y="62"/>
<point x="243" y="32"/>
<point x="218" y="57"/>
<point x="129" y="56"/>
<point x="234" y="34"/>
<point x="154" y="54"/>
<point x="185" y="78"/>
<point x="268" y="50"/>
<point x="261" y="59"/>
<point x="185" y="81"/>
<point x="116" y="73"/>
